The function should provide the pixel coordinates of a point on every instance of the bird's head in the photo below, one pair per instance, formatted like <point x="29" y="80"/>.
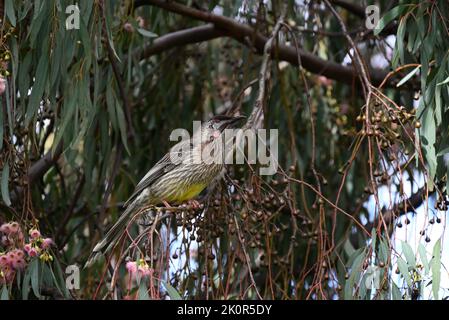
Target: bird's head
<point x="213" y="128"/>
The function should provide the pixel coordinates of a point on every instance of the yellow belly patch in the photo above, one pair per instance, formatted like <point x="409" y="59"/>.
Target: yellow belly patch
<point x="191" y="192"/>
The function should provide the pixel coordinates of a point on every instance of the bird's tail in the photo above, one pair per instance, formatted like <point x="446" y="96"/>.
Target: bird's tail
<point x="113" y="236"/>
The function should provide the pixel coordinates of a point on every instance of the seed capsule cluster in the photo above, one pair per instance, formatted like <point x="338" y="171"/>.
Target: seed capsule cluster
<point x="250" y="215"/>
<point x="387" y="125"/>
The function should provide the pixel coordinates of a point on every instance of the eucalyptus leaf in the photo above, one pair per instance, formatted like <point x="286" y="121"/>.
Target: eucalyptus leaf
<point x="10" y="12"/>
<point x="423" y="255"/>
<point x="172" y="292"/>
<point x="408" y="253"/>
<point x="404" y="269"/>
<point x="408" y="76"/>
<point x="34" y="270"/>
<point x="388" y="17"/>
<point x="4" y="185"/>
<point x="147" y="33"/>
<point x="436" y="269"/>
<point x="143" y="291"/>
<point x="5" y="294"/>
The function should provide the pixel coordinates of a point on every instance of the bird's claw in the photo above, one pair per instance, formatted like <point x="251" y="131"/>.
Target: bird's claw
<point x="194" y="204"/>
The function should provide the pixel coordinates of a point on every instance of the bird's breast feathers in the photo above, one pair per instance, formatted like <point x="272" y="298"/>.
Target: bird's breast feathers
<point x="190" y="192"/>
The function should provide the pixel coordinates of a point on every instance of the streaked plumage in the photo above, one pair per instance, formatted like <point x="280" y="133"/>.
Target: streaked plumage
<point x="171" y="182"/>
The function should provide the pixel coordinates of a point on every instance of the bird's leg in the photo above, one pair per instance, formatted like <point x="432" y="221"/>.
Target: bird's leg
<point x="166" y="204"/>
<point x="194" y="204"/>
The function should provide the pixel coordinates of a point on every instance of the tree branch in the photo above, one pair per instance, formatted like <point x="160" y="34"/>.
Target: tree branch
<point x="41" y="166"/>
<point x="389" y="215"/>
<point x="180" y="38"/>
<point x="222" y="26"/>
<point x="38" y="169"/>
<point x="412" y="203"/>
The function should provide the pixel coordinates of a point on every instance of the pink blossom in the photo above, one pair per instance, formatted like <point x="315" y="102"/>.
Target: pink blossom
<point x="33" y="252"/>
<point x="19" y="253"/>
<point x="46" y="243"/>
<point x="19" y="264"/>
<point x="2" y="85"/>
<point x="27" y="248"/>
<point x="14" y="227"/>
<point x="4" y="261"/>
<point x="131" y="266"/>
<point x="145" y="270"/>
<point x="11" y="256"/>
<point x="128" y="27"/>
<point x="5" y="228"/>
<point x="34" y="233"/>
<point x="8" y="275"/>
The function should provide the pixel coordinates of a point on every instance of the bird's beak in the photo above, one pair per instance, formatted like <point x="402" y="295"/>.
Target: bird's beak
<point x="227" y="123"/>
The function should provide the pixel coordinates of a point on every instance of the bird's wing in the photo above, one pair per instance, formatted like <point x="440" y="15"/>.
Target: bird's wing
<point x="163" y="166"/>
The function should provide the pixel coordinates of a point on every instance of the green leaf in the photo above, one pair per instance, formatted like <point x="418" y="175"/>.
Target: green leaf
<point x="26" y="284"/>
<point x="85" y="40"/>
<point x="34" y="266"/>
<point x="412" y="33"/>
<point x="4" y="185"/>
<point x="438" y="108"/>
<point x="69" y="108"/>
<point x="408" y="76"/>
<point x="9" y="110"/>
<point x="61" y="278"/>
<point x="38" y="88"/>
<point x="428" y="134"/>
<point x="172" y="292"/>
<point x="147" y="33"/>
<point x="443" y="82"/>
<point x="10" y="13"/>
<point x="56" y="58"/>
<point x="403" y="268"/>
<point x="436" y="269"/>
<point x="55" y="281"/>
<point x="1" y="127"/>
<point x="143" y="291"/>
<point x="122" y="124"/>
<point x="355" y="272"/>
<point x="109" y="35"/>
<point x="395" y="292"/>
<point x="5" y="294"/>
<point x="423" y="255"/>
<point x="400" y="41"/>
<point x="111" y="106"/>
<point x="348" y="247"/>
<point x="25" y="8"/>
<point x="409" y="254"/>
<point x="388" y="17"/>
<point x="384" y="250"/>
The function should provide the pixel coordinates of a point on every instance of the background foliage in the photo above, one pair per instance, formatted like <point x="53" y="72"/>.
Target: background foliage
<point x="86" y="112"/>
